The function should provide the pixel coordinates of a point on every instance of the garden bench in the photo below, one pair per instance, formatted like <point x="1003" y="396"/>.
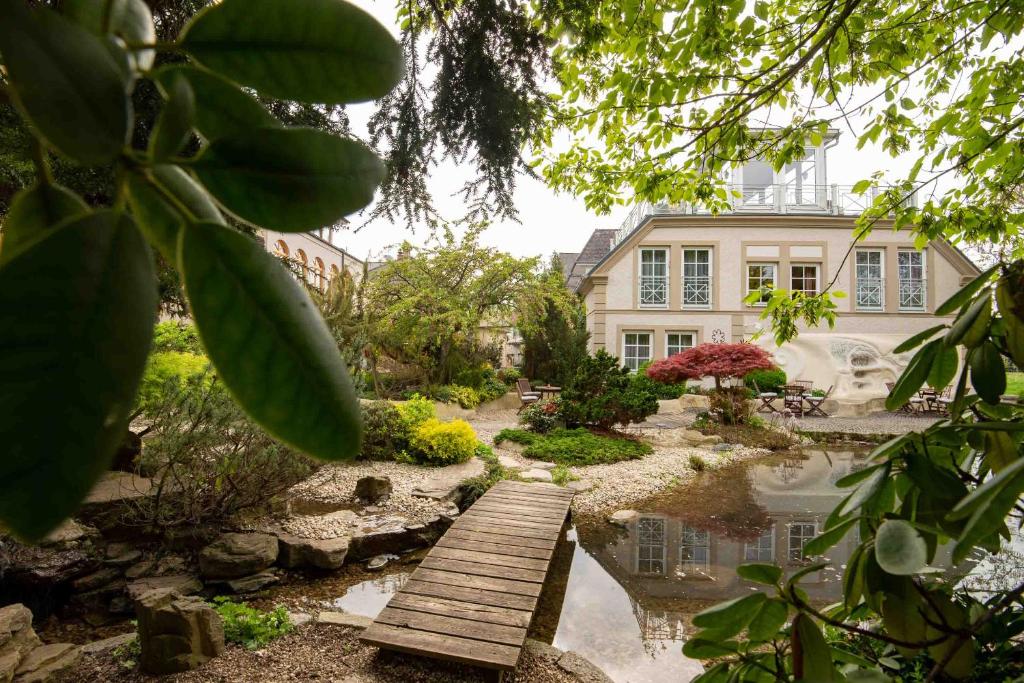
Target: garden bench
<point x="527" y="396"/>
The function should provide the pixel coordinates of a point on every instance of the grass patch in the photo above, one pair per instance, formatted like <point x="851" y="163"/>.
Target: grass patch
<point x="561" y="475"/>
<point x="1015" y="383"/>
<point x="473" y="488"/>
<point x="250" y="627"/>
<point x="575" y="446"/>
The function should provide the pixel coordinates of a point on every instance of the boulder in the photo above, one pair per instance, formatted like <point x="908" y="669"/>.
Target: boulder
<point x="583" y="670"/>
<point x="623" y="517"/>
<point x="535" y="475"/>
<point x="70" y="533"/>
<point x="694" y="402"/>
<point x="17" y="637"/>
<point x="379" y="562"/>
<point x="679" y="438"/>
<point x="541" y="465"/>
<point x="251" y="584"/>
<point x="8" y="665"/>
<point x="181" y="584"/>
<point x="373" y="489"/>
<point x="233" y="556"/>
<point x="40" y="570"/>
<point x="121" y="555"/>
<point x="47" y="661"/>
<point x="580" y="486"/>
<point x="97" y="579"/>
<point x="107" y="644"/>
<point x="300" y="618"/>
<point x="295" y="552"/>
<point x="175" y="633"/>
<point x="127" y="454"/>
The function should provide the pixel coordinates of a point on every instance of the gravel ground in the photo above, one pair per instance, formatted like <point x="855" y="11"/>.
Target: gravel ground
<point x="876" y="423"/>
<point x="318" y="653"/>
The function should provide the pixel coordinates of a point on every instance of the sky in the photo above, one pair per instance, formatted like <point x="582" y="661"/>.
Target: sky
<point x="548" y="222"/>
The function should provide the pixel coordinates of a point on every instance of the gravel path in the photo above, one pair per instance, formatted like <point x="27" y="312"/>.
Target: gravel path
<point x="876" y="423"/>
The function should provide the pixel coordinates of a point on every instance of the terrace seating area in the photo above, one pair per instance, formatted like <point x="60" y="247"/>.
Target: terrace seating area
<point x="799" y="398"/>
<point x="927" y="401"/>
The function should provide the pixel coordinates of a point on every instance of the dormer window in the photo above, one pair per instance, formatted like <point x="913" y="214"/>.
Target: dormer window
<point x="800" y="183"/>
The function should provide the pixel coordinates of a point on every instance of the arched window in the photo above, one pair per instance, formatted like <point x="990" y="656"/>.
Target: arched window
<point x="300" y="258"/>
<point x="281" y="248"/>
<point x="320" y="274"/>
<point x="334" y="271"/>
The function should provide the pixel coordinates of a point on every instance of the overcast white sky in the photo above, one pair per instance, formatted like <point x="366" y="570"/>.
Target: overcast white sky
<point x="549" y="221"/>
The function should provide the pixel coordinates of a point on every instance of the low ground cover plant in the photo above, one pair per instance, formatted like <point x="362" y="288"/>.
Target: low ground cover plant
<point x="494" y="472"/>
<point x="575" y="446"/>
<point x="250" y="627"/>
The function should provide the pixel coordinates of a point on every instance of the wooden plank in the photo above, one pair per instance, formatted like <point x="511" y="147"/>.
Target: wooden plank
<point x="448" y="647"/>
<point x="472" y="555"/>
<point x="550" y="491"/>
<point x="436" y="623"/>
<point x="486" y="583"/>
<point x="468" y="532"/>
<point x="553" y="508"/>
<point x="514" y="494"/>
<point x="467" y="540"/>
<point x="480" y="569"/>
<point x="498" y="518"/>
<point x="481" y="597"/>
<point x="499" y="528"/>
<point x="521" y="511"/>
<point x="462" y="610"/>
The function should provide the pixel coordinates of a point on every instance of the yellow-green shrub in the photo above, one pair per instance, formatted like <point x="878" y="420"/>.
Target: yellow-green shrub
<point x="442" y="443"/>
<point x="416" y="410"/>
<point x="168" y="370"/>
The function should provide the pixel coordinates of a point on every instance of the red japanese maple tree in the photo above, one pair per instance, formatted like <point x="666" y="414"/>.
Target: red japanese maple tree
<point x="720" y="361"/>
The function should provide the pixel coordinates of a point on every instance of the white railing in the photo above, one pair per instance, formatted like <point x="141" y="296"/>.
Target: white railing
<point x="697" y="291"/>
<point x="653" y="290"/>
<point x="913" y="294"/>
<point x="829" y="200"/>
<point x="870" y="294"/>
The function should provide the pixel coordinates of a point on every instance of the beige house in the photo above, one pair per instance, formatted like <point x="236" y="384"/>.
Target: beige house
<point x="675" y="276"/>
<point x="314" y="254"/>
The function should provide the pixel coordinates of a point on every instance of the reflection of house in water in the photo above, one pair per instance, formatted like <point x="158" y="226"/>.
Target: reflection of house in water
<point x="680" y="554"/>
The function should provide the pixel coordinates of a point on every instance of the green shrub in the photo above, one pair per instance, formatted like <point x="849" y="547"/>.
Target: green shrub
<point x="542" y="416"/>
<point x="491" y="389"/>
<point x="442" y="443"/>
<point x="509" y="375"/>
<point x="770" y="381"/>
<point x="602" y="393"/>
<point x="417" y="410"/>
<point x="176" y="336"/>
<point x="575" y="446"/>
<point x="466" y="397"/>
<point x="250" y="627"/>
<point x="167" y="372"/>
<point x="385" y="431"/>
<point x="560" y="475"/>
<point x="472" y="377"/>
<point x="698" y="463"/>
<point x="663" y="391"/>
<point x="494" y="472"/>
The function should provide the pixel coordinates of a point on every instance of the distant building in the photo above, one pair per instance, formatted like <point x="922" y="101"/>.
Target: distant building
<point x="314" y="254"/>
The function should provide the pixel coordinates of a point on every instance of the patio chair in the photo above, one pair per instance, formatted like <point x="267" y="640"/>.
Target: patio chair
<point x="914" y="405"/>
<point x="766" y="398"/>
<point x="944" y="400"/>
<point x="527" y="396"/>
<point x="814" y="403"/>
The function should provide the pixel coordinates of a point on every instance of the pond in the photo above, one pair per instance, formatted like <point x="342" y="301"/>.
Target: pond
<point x="623" y="597"/>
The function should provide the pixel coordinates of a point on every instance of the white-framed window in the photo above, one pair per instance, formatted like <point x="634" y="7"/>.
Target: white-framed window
<point x="694" y="549"/>
<point x="800" y="179"/>
<point x="758" y="183"/>
<point x="654" y="277"/>
<point x="677" y="342"/>
<point x="799" y="534"/>
<point x="910" y="264"/>
<point x="636" y="349"/>
<point x="697" y="277"/>
<point x="761" y="275"/>
<point x="803" y="277"/>
<point x="870" y="274"/>
<point x="762" y="549"/>
<point x="650" y="545"/>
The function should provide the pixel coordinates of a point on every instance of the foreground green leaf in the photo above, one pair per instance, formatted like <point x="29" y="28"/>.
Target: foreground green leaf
<point x="163" y="201"/>
<point x="174" y="125"/>
<point x="307" y="50"/>
<point x="768" y="574"/>
<point x="66" y="82"/>
<point x="35" y="212"/>
<point x="268" y="343"/>
<point x="899" y="548"/>
<point x="913" y="376"/>
<point x="988" y="374"/>
<point x="128" y="19"/>
<point x="76" y="317"/>
<point x="953" y="303"/>
<point x="729" y="618"/>
<point x="291" y="179"/>
<point x="815" y="654"/>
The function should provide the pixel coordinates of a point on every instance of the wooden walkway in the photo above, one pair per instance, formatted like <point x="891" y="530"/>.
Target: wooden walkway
<point x="473" y="596"/>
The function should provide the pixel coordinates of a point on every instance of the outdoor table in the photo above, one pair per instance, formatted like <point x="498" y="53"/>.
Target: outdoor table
<point x="547" y="390"/>
<point x="793" y="398"/>
<point x="931" y="398"/>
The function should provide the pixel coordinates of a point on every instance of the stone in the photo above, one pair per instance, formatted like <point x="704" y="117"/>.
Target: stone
<point x="251" y="584"/>
<point x="694" y="402"/>
<point x="296" y="552"/>
<point x="47" y="661"/>
<point x="121" y="555"/>
<point x="300" y="618"/>
<point x="623" y="517"/>
<point x="127" y="454"/>
<point x="541" y="465"/>
<point x="41" y="570"/>
<point x="445" y="485"/>
<point x="181" y="584"/>
<point x="344" y="619"/>
<point x="580" y="486"/>
<point x="679" y="438"/>
<point x="104" y="505"/>
<point x="107" y="644"/>
<point x="175" y="633"/>
<point x="535" y="475"/>
<point x="233" y="555"/>
<point x="542" y="651"/>
<point x="510" y="463"/>
<point x="170" y="564"/>
<point x="8" y="665"/>
<point x="373" y="489"/>
<point x="512" y="446"/>
<point x="97" y="579"/>
<point x="140" y="569"/>
<point x="379" y="562"/>
<point x="722" y="447"/>
<point x="583" y="669"/>
<point x="69" y="532"/>
<point x="17" y="637"/>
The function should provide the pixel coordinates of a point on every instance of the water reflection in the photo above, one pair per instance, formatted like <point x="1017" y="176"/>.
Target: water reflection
<point x="369" y="597"/>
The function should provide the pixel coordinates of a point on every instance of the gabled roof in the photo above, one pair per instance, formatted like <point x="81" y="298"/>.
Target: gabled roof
<point x="597" y="247"/>
<point x="568" y="259"/>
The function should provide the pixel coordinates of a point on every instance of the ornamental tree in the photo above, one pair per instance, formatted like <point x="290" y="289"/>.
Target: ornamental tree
<point x="721" y="361"/>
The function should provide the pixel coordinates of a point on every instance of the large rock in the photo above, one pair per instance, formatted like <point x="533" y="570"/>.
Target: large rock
<point x="233" y="556"/>
<point x="175" y="633"/>
<point x="694" y="402"/>
<point x="181" y="584"/>
<point x="679" y="438"/>
<point x="582" y="669"/>
<point x="373" y="489"/>
<point x="97" y="579"/>
<point x="47" y="661"/>
<point x="17" y="637"/>
<point x="70" y="533"/>
<point x="623" y="517"/>
<point x="251" y="584"/>
<point x="535" y="475"/>
<point x="311" y="553"/>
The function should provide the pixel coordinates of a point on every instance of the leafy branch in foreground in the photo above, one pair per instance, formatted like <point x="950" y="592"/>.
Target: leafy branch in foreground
<point x="77" y="286"/>
<point x="924" y="500"/>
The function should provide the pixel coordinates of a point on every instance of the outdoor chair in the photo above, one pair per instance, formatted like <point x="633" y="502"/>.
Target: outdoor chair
<point x="527" y="396"/>
<point x="793" y="399"/>
<point x="814" y="403"/>
<point x="913" y="406"/>
<point x="766" y="398"/>
<point x="944" y="400"/>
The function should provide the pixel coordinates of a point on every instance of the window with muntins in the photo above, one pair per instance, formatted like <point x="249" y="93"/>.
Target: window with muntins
<point x="677" y="342"/>
<point x="653" y="277"/>
<point x="799" y="534"/>
<point x="694" y="549"/>
<point x="760" y="275"/>
<point x="912" y="279"/>
<point x="650" y="558"/>
<point x="636" y="349"/>
<point x="870" y="280"/>
<point x="697" y="278"/>
<point x="803" y="277"/>
<point x="762" y="549"/>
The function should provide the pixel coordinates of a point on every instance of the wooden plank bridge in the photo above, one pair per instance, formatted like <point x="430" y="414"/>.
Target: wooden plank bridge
<point x="472" y="598"/>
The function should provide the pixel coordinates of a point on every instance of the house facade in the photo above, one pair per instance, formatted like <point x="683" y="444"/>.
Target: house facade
<point x="676" y="276"/>
<point x="313" y="254"/>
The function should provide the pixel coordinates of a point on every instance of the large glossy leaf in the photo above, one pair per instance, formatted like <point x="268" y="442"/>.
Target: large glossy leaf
<point x="221" y="107"/>
<point x="825" y="540"/>
<point x="899" y="548"/>
<point x="1013" y="325"/>
<point x="768" y="574"/>
<point x="918" y="339"/>
<point x="163" y="201"/>
<point x="291" y="179"/>
<point x="944" y="367"/>
<point x="958" y="653"/>
<point x="913" y="376"/>
<point x="729" y="618"/>
<point x="978" y="313"/>
<point x="769" y="619"/>
<point x="953" y="303"/>
<point x="174" y="125"/>
<point x="988" y="374"/>
<point x="815" y="654"/>
<point x="35" y="212"/>
<point x="308" y="50"/>
<point x="987" y="518"/>
<point x="127" y="19"/>
<point x="904" y="619"/>
<point x="866" y="490"/>
<point x="76" y="317"/>
<point x="65" y="80"/>
<point x="268" y="342"/>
